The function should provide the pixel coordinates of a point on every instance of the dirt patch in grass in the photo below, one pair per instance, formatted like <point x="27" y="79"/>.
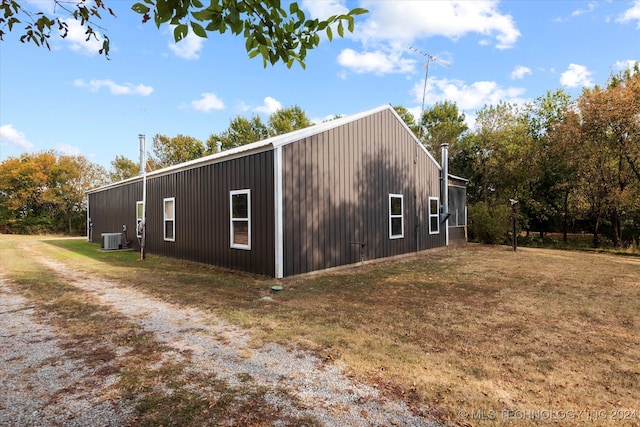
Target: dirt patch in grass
<point x="110" y="345"/>
<point x="480" y="335"/>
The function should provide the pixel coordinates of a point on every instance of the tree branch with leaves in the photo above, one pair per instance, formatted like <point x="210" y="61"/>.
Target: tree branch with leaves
<point x="270" y="31"/>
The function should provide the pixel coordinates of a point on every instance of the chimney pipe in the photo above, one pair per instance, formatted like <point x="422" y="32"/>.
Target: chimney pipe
<point x="143" y="153"/>
<point x="218" y="146"/>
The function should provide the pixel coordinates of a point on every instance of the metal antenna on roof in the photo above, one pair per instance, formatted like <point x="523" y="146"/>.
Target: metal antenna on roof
<point x="426" y="76"/>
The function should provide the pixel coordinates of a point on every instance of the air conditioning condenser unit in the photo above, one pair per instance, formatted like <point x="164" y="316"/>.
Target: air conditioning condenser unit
<point x="111" y="241"/>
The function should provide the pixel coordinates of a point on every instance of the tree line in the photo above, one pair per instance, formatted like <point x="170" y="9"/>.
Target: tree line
<point x="44" y="192"/>
<point x="573" y="165"/>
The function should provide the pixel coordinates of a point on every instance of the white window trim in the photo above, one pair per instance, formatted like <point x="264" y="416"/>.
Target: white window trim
<point x="138" y="219"/>
<point x="165" y="219"/>
<point x="435" y="215"/>
<point x="232" y="219"/>
<point x="401" y="216"/>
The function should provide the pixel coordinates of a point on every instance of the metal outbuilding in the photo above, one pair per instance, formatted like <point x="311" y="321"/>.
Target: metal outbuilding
<point x="316" y="198"/>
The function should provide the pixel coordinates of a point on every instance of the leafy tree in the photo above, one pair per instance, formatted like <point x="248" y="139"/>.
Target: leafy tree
<point x="71" y="177"/>
<point x="241" y="131"/>
<point x="24" y="184"/>
<point x="443" y="123"/>
<point x="607" y="145"/>
<point x="408" y="119"/>
<point x="551" y="176"/>
<point x="123" y="168"/>
<point x="286" y="120"/>
<point x="45" y="192"/>
<point x="494" y="159"/>
<point x="171" y="151"/>
<point x="495" y="154"/>
<point x="270" y="31"/>
<point x="38" y="25"/>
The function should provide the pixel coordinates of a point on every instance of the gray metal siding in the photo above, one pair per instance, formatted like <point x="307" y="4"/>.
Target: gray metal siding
<point x="336" y="188"/>
<point x="202" y="223"/>
<point x="109" y="211"/>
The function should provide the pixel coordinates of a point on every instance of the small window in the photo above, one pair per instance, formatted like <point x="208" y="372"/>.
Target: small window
<point x="434" y="216"/>
<point x="139" y="213"/>
<point x="457" y="202"/>
<point x="396" y="216"/>
<point x="241" y="219"/>
<point x="170" y="219"/>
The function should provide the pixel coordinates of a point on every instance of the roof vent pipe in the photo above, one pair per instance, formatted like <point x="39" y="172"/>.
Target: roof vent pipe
<point x="218" y="146"/>
<point x="143" y="152"/>
<point x="444" y="191"/>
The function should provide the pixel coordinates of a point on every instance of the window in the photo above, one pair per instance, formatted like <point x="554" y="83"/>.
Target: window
<point x="396" y="216"/>
<point x="139" y="209"/>
<point x="170" y="219"/>
<point x="457" y="205"/>
<point x="434" y="217"/>
<point x="241" y="219"/>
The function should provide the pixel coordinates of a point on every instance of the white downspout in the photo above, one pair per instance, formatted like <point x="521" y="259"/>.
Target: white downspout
<point x="277" y="205"/>
<point x="88" y="222"/>
<point x="143" y="171"/>
<point x="445" y="189"/>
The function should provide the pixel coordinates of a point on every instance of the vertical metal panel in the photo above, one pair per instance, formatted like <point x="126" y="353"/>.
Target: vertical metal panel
<point x="202" y="212"/>
<point x="113" y="208"/>
<point x="336" y="186"/>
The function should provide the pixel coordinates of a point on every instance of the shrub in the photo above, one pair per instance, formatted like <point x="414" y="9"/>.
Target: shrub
<point x="489" y="224"/>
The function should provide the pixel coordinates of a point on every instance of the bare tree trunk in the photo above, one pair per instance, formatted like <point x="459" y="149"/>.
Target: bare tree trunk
<point x="596" y="240"/>
<point x="566" y="215"/>
<point x="615" y="225"/>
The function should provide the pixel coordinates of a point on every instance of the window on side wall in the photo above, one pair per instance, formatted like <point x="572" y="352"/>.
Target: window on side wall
<point x="139" y="209"/>
<point x="434" y="215"/>
<point x="396" y="216"/>
<point x="240" y="219"/>
<point x="170" y="219"/>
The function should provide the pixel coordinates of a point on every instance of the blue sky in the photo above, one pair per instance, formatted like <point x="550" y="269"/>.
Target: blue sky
<point x="74" y="101"/>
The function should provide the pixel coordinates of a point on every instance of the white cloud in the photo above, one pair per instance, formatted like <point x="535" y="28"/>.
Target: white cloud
<point x="391" y="27"/>
<point x="270" y="106"/>
<point x="519" y="72"/>
<point x="207" y="102"/>
<point x="625" y="65"/>
<point x="187" y="48"/>
<point x="323" y="9"/>
<point x="404" y="21"/>
<point x="576" y="76"/>
<point x="68" y="150"/>
<point x="376" y="62"/>
<point x="632" y="14"/>
<point x="10" y="136"/>
<point x="467" y="97"/>
<point x="113" y="87"/>
<point x="77" y="38"/>
<point x="590" y="8"/>
<point x="242" y="106"/>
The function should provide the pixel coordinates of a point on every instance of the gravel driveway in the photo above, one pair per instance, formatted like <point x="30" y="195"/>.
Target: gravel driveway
<point x="41" y="385"/>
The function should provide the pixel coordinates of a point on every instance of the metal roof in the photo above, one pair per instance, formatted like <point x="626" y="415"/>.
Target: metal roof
<point x="270" y="143"/>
